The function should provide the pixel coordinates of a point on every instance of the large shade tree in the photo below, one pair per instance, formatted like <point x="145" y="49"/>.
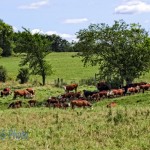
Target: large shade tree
<point x="36" y="48"/>
<point x="122" y="50"/>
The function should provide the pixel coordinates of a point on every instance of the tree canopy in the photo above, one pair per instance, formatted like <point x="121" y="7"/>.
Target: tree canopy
<point x="6" y="43"/>
<point x="122" y="50"/>
<point x="37" y="49"/>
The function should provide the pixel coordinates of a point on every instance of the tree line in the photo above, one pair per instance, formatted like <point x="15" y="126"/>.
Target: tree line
<point x="9" y="39"/>
<point x="122" y="51"/>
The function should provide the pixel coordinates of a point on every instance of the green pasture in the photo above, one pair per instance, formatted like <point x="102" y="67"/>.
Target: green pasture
<point x="64" y="66"/>
<point x="124" y="127"/>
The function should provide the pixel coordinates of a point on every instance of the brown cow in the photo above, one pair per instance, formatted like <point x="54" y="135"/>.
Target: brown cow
<point x="61" y="105"/>
<point x="23" y="93"/>
<point x="133" y="90"/>
<point x="58" y="105"/>
<point x="145" y="87"/>
<point x="103" y="94"/>
<point x="32" y="91"/>
<point x="117" y="92"/>
<point x="112" y="104"/>
<point x="80" y="103"/>
<point x="71" y="95"/>
<point x="16" y="104"/>
<point x="32" y="102"/>
<point x="71" y="87"/>
<point x="5" y="92"/>
<point x="51" y="101"/>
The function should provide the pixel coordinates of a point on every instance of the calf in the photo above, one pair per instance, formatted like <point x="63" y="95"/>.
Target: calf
<point x="32" y="91"/>
<point x="112" y="104"/>
<point x="16" y="104"/>
<point x="32" y="103"/>
<point x="51" y="101"/>
<point x="5" y="92"/>
<point x="80" y="103"/>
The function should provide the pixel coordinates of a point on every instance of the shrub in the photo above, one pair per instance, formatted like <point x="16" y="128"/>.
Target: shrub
<point x="23" y="75"/>
<point x="3" y="74"/>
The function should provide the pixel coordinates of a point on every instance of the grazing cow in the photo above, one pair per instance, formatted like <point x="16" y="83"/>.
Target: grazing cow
<point x="71" y="95"/>
<point x="145" y="87"/>
<point x="112" y="104"/>
<point x="5" y="92"/>
<point x="16" y="104"/>
<point x="133" y="90"/>
<point x="118" y="92"/>
<point x="57" y="105"/>
<point x="80" y="103"/>
<point x="136" y="84"/>
<point x="31" y="91"/>
<point x="66" y="105"/>
<point x="71" y="87"/>
<point x="102" y="86"/>
<point x="32" y="102"/>
<point x="22" y="93"/>
<point x="61" y="105"/>
<point x="95" y="97"/>
<point x="103" y="94"/>
<point x="51" y="101"/>
<point x="88" y="94"/>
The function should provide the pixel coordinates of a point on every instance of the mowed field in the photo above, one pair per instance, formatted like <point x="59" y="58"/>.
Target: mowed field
<point x="124" y="127"/>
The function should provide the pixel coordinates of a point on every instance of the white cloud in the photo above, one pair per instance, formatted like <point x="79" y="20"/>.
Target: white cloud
<point x="35" y="5"/>
<point x="75" y="21"/>
<point x="66" y="36"/>
<point x="132" y="7"/>
<point x="15" y="29"/>
<point x="37" y="31"/>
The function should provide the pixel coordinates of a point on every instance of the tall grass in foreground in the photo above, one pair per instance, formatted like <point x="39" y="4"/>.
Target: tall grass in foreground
<point x="124" y="128"/>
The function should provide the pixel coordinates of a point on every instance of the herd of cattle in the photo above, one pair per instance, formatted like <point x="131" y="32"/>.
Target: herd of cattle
<point x="73" y="98"/>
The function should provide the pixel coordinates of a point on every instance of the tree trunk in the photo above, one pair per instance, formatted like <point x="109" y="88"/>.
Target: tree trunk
<point x="128" y="81"/>
<point x="43" y="79"/>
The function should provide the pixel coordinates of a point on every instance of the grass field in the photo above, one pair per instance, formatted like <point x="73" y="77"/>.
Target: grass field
<point x="124" y="127"/>
<point x="64" y="67"/>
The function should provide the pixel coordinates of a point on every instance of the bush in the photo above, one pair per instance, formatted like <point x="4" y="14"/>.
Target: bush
<point x="23" y="75"/>
<point x="3" y="74"/>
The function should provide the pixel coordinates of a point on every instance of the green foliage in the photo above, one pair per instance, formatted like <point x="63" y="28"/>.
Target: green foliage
<point x="3" y="74"/>
<point x="58" y="44"/>
<point x="37" y="49"/>
<point x="23" y="75"/>
<point x="120" y="50"/>
<point x="6" y="32"/>
<point x="1" y="51"/>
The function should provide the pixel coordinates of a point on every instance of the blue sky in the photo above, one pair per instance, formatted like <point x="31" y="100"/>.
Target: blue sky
<point x="66" y="17"/>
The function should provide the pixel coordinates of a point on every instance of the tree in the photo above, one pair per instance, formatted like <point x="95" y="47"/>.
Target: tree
<point x="23" y="75"/>
<point x="58" y="44"/>
<point x="122" y="50"/>
<point x="37" y="48"/>
<point x="6" y="44"/>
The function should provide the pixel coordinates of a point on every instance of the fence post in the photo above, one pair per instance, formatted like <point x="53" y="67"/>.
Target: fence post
<point x="61" y="82"/>
<point x="58" y="82"/>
